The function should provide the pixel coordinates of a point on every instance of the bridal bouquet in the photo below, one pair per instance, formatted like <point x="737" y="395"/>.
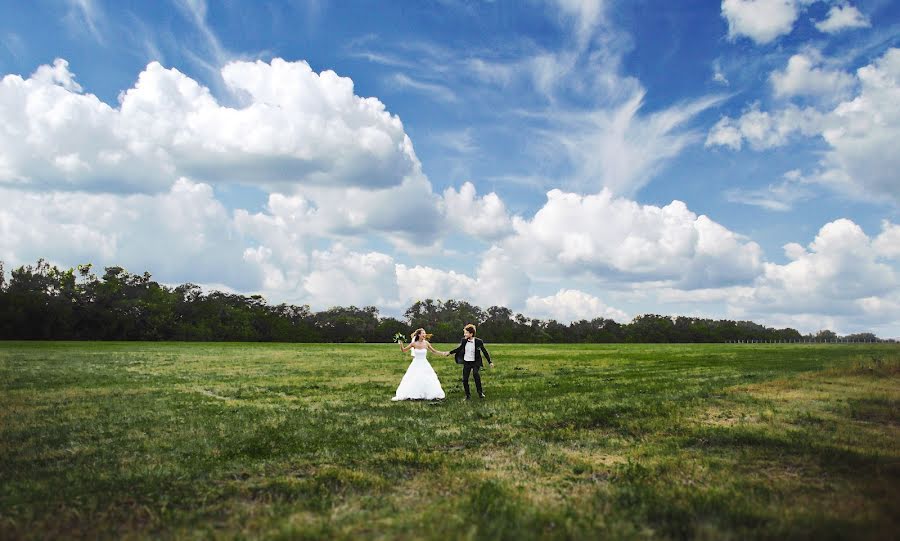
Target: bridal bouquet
<point x="399" y="337"/>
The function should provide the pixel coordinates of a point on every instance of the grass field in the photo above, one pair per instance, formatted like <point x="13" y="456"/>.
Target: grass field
<point x="164" y="440"/>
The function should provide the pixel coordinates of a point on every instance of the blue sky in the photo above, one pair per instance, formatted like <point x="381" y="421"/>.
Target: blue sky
<point x="566" y="158"/>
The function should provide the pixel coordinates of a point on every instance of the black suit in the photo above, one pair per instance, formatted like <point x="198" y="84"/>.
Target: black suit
<point x="470" y="367"/>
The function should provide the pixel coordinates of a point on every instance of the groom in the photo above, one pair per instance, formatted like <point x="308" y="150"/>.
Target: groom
<point x="468" y="354"/>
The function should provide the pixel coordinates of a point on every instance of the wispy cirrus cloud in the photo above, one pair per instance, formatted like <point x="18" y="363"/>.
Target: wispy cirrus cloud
<point x="587" y="122"/>
<point x="432" y="90"/>
<point x="14" y="44"/>
<point x="86" y="14"/>
<point x="779" y="196"/>
<point x="622" y="149"/>
<point x="214" y="55"/>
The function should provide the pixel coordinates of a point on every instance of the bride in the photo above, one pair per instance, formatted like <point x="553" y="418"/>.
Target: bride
<point x="420" y="381"/>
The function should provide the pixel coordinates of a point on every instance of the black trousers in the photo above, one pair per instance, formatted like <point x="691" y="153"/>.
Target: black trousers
<point x="474" y="369"/>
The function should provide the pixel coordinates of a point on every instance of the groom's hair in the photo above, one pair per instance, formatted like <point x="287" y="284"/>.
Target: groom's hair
<point x="470" y="329"/>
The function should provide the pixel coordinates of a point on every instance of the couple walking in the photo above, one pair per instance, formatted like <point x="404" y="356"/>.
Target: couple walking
<point x="420" y="381"/>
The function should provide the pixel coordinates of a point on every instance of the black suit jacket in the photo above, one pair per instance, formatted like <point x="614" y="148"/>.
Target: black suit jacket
<point x="460" y="352"/>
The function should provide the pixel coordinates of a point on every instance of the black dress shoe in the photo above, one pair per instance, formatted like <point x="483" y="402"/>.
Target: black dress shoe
<point x="466" y="399"/>
<point x="481" y="396"/>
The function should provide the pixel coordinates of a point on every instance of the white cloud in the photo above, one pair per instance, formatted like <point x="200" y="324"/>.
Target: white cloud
<point x="421" y="282"/>
<point x="764" y="130"/>
<point x="503" y="280"/>
<point x="458" y="141"/>
<point x="499" y="280"/>
<point x="14" y="44"/>
<point x="887" y="243"/>
<point x="57" y="74"/>
<point x="569" y="305"/>
<point x="726" y="132"/>
<point x="484" y="218"/>
<point x="760" y="20"/>
<point x="183" y="234"/>
<point x="718" y="74"/>
<point x="85" y="13"/>
<point x="435" y="91"/>
<point x="842" y="275"/>
<point x="195" y="12"/>
<point x="779" y="197"/>
<point x="618" y="239"/>
<point x="842" y="17"/>
<point x="843" y="280"/>
<point x="296" y="127"/>
<point x="805" y="76"/>
<point x="407" y="215"/>
<point x="409" y="209"/>
<point x="588" y="14"/>
<point x="340" y="277"/>
<point x="621" y="150"/>
<point x="860" y="133"/>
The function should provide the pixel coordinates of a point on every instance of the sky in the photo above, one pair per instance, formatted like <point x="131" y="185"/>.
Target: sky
<point x="568" y="159"/>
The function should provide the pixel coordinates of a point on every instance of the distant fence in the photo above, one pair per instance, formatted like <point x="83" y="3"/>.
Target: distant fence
<point x="813" y="341"/>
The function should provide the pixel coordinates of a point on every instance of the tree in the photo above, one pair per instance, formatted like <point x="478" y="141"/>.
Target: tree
<point x="45" y="302"/>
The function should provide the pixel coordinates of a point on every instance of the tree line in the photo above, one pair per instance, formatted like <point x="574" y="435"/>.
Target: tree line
<point x="44" y="302"/>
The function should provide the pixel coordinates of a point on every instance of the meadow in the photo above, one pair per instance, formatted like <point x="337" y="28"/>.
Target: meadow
<point x="301" y="441"/>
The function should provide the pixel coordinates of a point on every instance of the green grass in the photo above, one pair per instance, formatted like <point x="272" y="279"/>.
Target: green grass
<point x="182" y="440"/>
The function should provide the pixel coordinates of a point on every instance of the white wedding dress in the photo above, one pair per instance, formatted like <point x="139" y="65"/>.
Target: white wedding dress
<point x="420" y="381"/>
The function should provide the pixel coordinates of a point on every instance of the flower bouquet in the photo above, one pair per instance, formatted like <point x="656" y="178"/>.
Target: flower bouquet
<point x="399" y="337"/>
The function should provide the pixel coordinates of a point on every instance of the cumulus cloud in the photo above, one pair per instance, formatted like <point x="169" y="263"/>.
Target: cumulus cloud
<point x="484" y="218"/>
<point x="499" y="279"/>
<point x="616" y="238"/>
<point x="760" y="20"/>
<point x="569" y="305"/>
<point x="340" y="277"/>
<point x="503" y="279"/>
<point x="281" y="233"/>
<point x="763" y="21"/>
<point x="805" y="76"/>
<point x="183" y="234"/>
<point x="841" y="274"/>
<point x="860" y="133"/>
<point x="409" y="210"/>
<point x="842" y="17"/>
<point x="887" y="243"/>
<point x="295" y="126"/>
<point x="421" y="282"/>
<point x="844" y="280"/>
<point x="764" y="130"/>
<point x="57" y="74"/>
<point x="410" y="215"/>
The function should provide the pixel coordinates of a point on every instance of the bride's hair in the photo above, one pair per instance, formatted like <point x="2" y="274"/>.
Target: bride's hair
<point x="417" y="332"/>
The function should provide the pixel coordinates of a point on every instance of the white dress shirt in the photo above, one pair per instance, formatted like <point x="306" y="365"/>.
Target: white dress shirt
<point x="470" y="351"/>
